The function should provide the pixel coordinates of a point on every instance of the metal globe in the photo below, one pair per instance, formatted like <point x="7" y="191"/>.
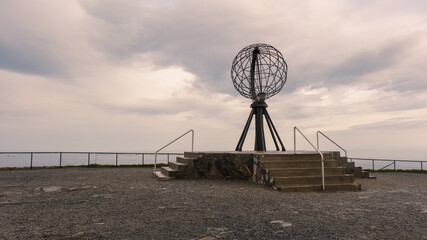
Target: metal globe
<point x="269" y="71"/>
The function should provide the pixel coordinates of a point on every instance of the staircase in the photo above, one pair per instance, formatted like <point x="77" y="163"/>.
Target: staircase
<point x="183" y="167"/>
<point x="303" y="172"/>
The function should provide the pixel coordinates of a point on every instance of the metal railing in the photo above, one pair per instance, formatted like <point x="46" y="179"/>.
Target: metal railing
<point x="88" y="158"/>
<point x="176" y="139"/>
<point x="317" y="150"/>
<point x="336" y="144"/>
<point x="392" y="162"/>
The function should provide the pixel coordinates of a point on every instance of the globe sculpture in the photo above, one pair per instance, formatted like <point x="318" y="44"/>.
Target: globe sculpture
<point x="258" y="73"/>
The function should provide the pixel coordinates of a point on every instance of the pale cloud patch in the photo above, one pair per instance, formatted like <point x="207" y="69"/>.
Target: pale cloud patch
<point x="46" y="38"/>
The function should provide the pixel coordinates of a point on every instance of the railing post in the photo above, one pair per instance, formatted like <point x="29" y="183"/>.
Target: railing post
<point x="168" y="158"/>
<point x="31" y="161"/>
<point x="373" y="166"/>
<point x="142" y="160"/>
<point x="317" y="136"/>
<point x="421" y="165"/>
<point x="88" y="159"/>
<point x="60" y="159"/>
<point x="117" y="159"/>
<point x="394" y="165"/>
<point x="295" y="141"/>
<point x="155" y="163"/>
<point x="192" y="140"/>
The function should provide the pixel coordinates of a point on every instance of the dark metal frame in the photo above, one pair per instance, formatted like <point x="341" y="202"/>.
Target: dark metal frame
<point x="259" y="72"/>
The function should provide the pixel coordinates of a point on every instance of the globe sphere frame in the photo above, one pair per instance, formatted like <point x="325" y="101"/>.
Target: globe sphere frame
<point x="259" y="77"/>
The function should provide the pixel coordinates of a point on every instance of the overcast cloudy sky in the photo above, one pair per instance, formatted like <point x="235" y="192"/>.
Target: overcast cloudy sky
<point x="131" y="75"/>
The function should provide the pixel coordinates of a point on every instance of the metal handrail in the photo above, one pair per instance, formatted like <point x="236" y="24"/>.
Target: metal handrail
<point x="393" y="162"/>
<point x="332" y="141"/>
<point x="78" y="152"/>
<point x="89" y="155"/>
<point x="176" y="139"/>
<point x="317" y="150"/>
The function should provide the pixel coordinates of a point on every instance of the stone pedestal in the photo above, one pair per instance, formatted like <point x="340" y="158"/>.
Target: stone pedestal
<point x="286" y="171"/>
<point x="221" y="164"/>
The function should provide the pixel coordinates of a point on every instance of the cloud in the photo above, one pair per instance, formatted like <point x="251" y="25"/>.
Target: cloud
<point x="366" y="63"/>
<point x="394" y="124"/>
<point x="201" y="37"/>
<point x="45" y="38"/>
<point x="110" y="73"/>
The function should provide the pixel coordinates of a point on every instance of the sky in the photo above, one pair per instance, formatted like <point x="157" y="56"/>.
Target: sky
<point x="112" y="75"/>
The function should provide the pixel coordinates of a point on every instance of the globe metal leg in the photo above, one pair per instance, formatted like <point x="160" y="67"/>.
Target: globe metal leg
<point x="270" y="122"/>
<point x="245" y="132"/>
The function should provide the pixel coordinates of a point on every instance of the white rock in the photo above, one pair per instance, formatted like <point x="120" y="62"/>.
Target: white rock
<point x="208" y="238"/>
<point x="51" y="189"/>
<point x="282" y="223"/>
<point x="79" y="234"/>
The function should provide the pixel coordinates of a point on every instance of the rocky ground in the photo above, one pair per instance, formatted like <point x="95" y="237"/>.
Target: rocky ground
<point x="127" y="203"/>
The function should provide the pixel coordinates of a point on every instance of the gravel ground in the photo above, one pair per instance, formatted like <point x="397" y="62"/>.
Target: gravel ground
<point x="127" y="203"/>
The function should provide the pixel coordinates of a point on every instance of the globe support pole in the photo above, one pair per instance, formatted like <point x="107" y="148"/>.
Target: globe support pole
<point x="259" y="109"/>
<point x="259" y="126"/>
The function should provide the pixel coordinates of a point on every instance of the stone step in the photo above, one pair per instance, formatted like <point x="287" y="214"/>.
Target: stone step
<point x="162" y="177"/>
<point x="287" y="172"/>
<point x="185" y="160"/>
<point x="296" y="157"/>
<point x="318" y="187"/>
<point x="299" y="164"/>
<point x="191" y="154"/>
<point x="351" y="165"/>
<point x="311" y="180"/>
<point x="177" y="166"/>
<point x="343" y="162"/>
<point x="336" y="155"/>
<point x="169" y="172"/>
